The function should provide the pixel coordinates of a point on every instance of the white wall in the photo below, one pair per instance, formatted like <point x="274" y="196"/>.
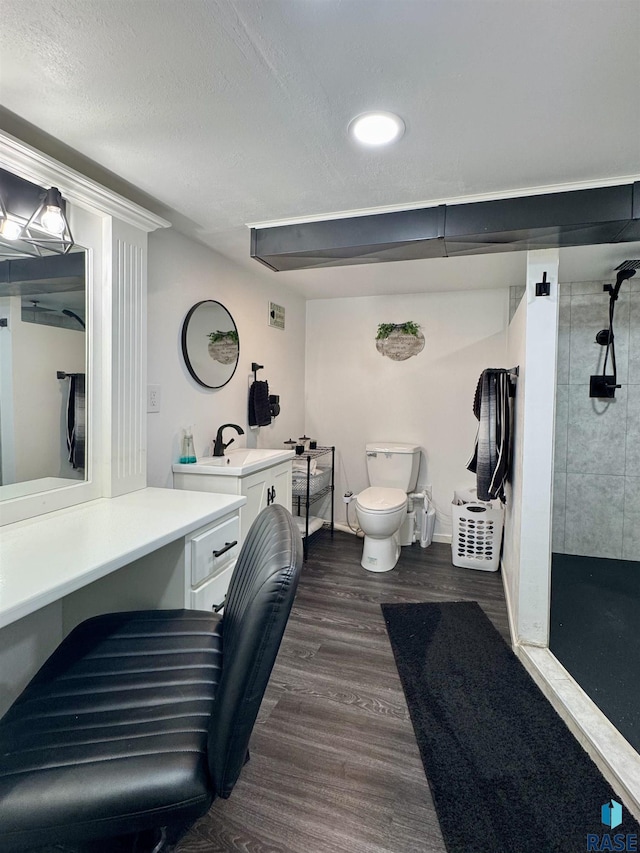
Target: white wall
<point x="516" y="353"/>
<point x="181" y="273"/>
<point x="354" y="395"/>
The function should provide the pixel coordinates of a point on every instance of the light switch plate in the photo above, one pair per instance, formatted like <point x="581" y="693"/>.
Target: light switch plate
<point x="276" y="315"/>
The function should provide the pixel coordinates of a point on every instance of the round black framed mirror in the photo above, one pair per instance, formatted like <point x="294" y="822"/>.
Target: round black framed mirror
<point x="210" y="343"/>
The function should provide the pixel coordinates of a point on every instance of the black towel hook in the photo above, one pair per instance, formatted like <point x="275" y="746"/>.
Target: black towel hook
<point x="256" y="367"/>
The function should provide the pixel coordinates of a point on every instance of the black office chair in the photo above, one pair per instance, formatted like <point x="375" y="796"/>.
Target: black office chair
<point x="139" y="720"/>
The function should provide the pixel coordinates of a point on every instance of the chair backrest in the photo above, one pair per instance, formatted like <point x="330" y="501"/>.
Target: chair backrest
<point x="256" y="610"/>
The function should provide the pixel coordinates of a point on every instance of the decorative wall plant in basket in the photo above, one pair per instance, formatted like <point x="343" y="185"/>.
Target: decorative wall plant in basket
<point x="399" y="341"/>
<point x="223" y="346"/>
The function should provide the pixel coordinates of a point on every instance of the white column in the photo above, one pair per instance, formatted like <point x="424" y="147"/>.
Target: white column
<point x="127" y="343"/>
<point x="538" y="377"/>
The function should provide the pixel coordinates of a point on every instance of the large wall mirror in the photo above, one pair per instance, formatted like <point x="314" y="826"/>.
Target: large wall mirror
<point x="210" y="343"/>
<point x="43" y="369"/>
<point x="98" y="280"/>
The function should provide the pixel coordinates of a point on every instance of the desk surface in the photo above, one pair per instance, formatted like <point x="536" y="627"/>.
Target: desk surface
<point x="45" y="558"/>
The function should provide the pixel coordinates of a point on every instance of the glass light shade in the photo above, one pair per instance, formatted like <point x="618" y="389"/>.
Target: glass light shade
<point x="376" y="128"/>
<point x="10" y="229"/>
<point x="52" y="220"/>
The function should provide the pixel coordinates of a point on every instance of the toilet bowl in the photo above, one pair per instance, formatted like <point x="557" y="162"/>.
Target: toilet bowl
<point x="380" y="512"/>
<point x="392" y="468"/>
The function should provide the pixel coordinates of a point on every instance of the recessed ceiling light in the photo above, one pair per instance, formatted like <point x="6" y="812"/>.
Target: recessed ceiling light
<point x="376" y="128"/>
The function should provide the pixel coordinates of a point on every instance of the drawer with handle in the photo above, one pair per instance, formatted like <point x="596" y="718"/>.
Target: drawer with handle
<point x="213" y="550"/>
<point x="210" y="596"/>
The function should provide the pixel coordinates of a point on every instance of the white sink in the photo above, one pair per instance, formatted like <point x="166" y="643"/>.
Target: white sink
<point x="236" y="463"/>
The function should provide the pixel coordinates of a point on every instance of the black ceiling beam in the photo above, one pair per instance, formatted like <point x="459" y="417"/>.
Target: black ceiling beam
<point x="575" y="218"/>
<point x="43" y="269"/>
<point x="50" y="274"/>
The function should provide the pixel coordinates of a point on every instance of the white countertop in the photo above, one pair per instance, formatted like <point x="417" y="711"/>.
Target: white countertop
<point x="45" y="558"/>
<point x="236" y="463"/>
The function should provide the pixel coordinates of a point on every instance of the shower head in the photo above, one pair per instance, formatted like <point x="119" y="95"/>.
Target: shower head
<point x="629" y="265"/>
<point x="624" y="275"/>
<point x="626" y="270"/>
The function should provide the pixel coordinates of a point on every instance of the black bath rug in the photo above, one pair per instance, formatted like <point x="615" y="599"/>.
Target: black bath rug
<point x="506" y="774"/>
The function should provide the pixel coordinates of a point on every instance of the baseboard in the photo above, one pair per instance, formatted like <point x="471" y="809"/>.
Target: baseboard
<point x="507" y="598"/>
<point x="443" y="537"/>
<point x="437" y="537"/>
<point x="614" y="756"/>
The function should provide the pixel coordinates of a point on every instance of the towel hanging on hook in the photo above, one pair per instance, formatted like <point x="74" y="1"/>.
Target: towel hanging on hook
<point x="259" y="409"/>
<point x="491" y="457"/>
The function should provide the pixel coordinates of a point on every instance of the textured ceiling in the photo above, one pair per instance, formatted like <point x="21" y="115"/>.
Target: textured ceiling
<point x="236" y="112"/>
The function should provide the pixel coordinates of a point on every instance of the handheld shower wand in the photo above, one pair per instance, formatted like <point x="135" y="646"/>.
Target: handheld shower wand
<point x="605" y="385"/>
<point x="624" y="275"/>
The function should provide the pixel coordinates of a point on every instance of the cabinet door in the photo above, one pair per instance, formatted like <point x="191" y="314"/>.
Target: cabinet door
<point x="254" y="488"/>
<point x="281" y="482"/>
<point x="262" y="489"/>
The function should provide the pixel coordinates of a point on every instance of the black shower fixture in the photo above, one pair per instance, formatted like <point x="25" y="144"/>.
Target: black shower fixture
<point x="603" y="337"/>
<point x="629" y="265"/>
<point x="626" y="272"/>
<point x="73" y="316"/>
<point x="604" y="385"/>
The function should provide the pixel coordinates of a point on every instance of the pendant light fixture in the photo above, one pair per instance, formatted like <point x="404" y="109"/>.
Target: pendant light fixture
<point x="34" y="216"/>
<point x="10" y="229"/>
<point x="48" y="226"/>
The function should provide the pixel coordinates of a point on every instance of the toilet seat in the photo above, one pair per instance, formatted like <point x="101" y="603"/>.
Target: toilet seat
<point x="381" y="500"/>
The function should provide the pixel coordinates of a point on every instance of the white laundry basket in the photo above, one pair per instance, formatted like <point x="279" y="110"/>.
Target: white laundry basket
<point x="477" y="535"/>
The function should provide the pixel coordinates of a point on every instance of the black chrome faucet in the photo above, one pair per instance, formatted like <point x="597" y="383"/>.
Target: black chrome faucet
<point x="219" y="445"/>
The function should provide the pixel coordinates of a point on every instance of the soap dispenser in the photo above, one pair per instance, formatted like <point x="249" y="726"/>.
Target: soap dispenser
<point x="188" y="450"/>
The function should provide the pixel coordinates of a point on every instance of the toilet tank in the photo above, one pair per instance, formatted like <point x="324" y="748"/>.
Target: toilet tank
<point x="393" y="464"/>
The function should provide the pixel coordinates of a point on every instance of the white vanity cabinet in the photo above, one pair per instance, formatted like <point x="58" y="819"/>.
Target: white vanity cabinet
<point x="271" y="483"/>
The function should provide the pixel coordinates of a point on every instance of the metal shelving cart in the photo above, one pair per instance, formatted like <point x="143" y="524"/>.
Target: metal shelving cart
<point x="308" y="488"/>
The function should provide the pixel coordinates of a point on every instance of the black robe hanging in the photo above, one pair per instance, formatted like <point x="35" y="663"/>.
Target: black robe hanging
<point x="490" y="460"/>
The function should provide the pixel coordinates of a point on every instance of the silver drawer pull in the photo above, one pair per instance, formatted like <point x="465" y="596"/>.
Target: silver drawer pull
<point x="227" y="547"/>
<point x="218" y="607"/>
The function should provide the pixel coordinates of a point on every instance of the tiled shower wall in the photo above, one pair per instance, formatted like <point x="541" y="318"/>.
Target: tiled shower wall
<point x="596" y="506"/>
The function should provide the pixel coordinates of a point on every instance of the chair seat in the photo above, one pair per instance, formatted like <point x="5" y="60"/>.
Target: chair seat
<point x="113" y="727"/>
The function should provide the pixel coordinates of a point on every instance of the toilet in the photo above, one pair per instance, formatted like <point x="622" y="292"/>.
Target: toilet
<point x="393" y="472"/>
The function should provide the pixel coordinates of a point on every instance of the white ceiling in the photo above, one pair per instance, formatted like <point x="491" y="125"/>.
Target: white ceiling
<point x="229" y="112"/>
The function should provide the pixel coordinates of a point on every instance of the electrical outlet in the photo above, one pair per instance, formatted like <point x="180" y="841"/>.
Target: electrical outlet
<point x="153" y="398"/>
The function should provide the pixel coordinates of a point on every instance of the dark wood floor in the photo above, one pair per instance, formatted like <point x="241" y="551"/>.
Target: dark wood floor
<point x="334" y="762"/>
